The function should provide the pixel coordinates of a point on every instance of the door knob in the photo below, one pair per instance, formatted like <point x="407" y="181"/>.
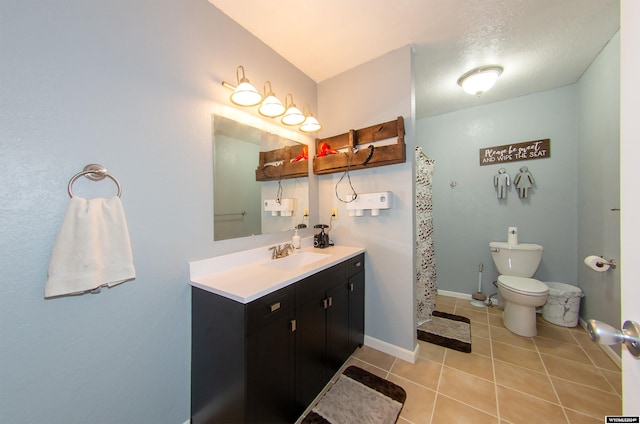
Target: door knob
<point x="605" y="334"/>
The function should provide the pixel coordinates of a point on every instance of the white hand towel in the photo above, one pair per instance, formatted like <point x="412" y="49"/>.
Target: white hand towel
<point x="92" y="248"/>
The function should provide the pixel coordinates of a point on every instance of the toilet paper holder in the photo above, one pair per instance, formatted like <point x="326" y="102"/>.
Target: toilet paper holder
<point x="611" y="262"/>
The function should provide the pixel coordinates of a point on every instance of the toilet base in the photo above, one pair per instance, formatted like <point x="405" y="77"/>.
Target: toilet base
<point x="520" y="319"/>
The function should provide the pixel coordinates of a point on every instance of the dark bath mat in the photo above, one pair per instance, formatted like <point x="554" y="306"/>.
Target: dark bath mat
<point x="448" y="330"/>
<point x="358" y="397"/>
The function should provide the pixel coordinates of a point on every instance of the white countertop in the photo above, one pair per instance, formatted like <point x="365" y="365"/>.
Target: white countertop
<point x="249" y="275"/>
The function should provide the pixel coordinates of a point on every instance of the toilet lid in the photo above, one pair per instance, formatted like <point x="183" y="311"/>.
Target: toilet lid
<point x="523" y="285"/>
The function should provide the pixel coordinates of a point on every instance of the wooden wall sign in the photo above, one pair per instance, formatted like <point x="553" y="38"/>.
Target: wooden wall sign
<point x="529" y="150"/>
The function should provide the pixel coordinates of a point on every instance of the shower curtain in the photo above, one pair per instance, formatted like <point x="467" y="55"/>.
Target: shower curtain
<point x="426" y="284"/>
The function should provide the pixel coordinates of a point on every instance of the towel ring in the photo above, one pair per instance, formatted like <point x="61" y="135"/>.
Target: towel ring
<point x="94" y="172"/>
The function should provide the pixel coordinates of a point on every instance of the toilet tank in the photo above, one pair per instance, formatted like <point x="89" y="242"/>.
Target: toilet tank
<point x="521" y="260"/>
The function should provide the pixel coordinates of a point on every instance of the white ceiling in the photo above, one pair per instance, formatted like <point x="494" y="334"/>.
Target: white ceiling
<point x="541" y="44"/>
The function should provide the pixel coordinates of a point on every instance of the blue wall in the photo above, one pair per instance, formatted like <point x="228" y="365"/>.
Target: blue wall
<point x="469" y="216"/>
<point x="569" y="211"/>
<point x="131" y="85"/>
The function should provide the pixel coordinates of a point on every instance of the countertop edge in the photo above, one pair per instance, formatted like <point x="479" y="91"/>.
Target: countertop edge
<point x="339" y="254"/>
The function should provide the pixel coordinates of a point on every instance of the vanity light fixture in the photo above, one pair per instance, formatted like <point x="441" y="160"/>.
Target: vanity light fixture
<point x="310" y="123"/>
<point x="271" y="106"/>
<point x="480" y="80"/>
<point x="244" y="94"/>
<point x="293" y="115"/>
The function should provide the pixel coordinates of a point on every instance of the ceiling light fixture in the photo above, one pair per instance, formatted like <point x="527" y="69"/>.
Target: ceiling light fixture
<point x="244" y="93"/>
<point x="310" y="123"/>
<point x="292" y="116"/>
<point x="479" y="80"/>
<point x="271" y="106"/>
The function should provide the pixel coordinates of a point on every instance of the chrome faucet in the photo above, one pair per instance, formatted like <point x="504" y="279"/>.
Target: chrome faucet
<point x="282" y="251"/>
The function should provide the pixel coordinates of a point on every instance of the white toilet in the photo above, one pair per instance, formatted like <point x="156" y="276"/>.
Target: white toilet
<point x="516" y="264"/>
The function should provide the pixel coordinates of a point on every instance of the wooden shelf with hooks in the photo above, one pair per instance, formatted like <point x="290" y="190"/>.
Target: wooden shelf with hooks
<point x="285" y="170"/>
<point x="382" y="155"/>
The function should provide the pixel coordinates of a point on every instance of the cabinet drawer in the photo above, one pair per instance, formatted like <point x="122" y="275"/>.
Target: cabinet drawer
<point x="355" y="265"/>
<point x="262" y="311"/>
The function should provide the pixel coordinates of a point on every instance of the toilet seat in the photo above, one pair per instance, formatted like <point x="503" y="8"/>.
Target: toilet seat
<point x="522" y="285"/>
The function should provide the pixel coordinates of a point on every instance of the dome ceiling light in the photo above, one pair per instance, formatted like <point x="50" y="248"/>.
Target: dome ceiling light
<point x="479" y="80"/>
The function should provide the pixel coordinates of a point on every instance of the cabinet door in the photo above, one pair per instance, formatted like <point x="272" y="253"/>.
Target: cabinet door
<point x="270" y="353"/>
<point x="338" y="346"/>
<point x="356" y="310"/>
<point x="310" y="350"/>
<point x="311" y="369"/>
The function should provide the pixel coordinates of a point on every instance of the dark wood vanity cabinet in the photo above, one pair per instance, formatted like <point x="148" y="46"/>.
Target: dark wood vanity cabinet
<point x="267" y="360"/>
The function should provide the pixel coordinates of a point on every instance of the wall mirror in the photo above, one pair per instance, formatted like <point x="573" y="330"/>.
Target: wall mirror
<point x="257" y="188"/>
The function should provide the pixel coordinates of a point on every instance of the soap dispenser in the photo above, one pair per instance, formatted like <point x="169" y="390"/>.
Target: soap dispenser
<point x="295" y="240"/>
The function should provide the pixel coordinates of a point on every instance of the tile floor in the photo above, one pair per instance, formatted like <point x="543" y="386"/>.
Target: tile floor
<point x="559" y="376"/>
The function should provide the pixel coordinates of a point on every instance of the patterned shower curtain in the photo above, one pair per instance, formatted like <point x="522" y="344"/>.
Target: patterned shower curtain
<point x="426" y="283"/>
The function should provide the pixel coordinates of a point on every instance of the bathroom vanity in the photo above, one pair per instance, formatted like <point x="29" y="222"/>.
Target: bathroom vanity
<point x="268" y="335"/>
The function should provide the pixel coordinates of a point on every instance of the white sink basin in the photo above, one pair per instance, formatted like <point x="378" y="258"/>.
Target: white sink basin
<point x="296" y="260"/>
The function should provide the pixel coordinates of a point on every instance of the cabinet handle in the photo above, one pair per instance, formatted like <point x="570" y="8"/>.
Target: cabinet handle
<point x="350" y="286"/>
<point x="325" y="303"/>
<point x="275" y="307"/>
<point x="293" y="325"/>
<point x="358" y="264"/>
<point x="330" y="301"/>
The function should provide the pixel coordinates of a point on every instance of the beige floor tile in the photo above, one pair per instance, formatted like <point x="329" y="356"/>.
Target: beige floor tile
<point x="418" y="406"/>
<point x="495" y="320"/>
<point x="602" y="360"/>
<point x="451" y="411"/>
<point x="472" y="363"/>
<point x="494" y="310"/>
<point x="614" y="378"/>
<point x="450" y="309"/>
<point x="467" y="388"/>
<point x="480" y="330"/>
<point x="431" y="351"/>
<point x="481" y="346"/>
<point x="524" y="380"/>
<point x="593" y="402"/>
<point x="375" y="357"/>
<point x="517" y="356"/>
<point x="423" y="372"/>
<point x="583" y="340"/>
<point x="445" y="300"/>
<point x="578" y="418"/>
<point x="365" y="366"/>
<point x="558" y="376"/>
<point x="571" y="351"/>
<point x="474" y="315"/>
<point x="519" y="408"/>
<point x="584" y="374"/>
<point x="505" y="336"/>
<point x="550" y="331"/>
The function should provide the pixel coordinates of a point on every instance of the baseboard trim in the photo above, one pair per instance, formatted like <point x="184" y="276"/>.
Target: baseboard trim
<point x="454" y="294"/>
<point x="393" y="350"/>
<point x="494" y="301"/>
<point x="606" y="349"/>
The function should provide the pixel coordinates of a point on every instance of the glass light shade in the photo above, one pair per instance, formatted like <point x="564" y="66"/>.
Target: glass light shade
<point x="310" y="124"/>
<point x="246" y="94"/>
<point x="292" y="116"/>
<point x="479" y="80"/>
<point x="271" y="107"/>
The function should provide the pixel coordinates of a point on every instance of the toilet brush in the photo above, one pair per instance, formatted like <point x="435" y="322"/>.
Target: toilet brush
<point x="478" y="297"/>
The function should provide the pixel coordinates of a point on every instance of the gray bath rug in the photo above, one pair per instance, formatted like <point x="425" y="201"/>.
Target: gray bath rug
<point x="358" y="397"/>
<point x="448" y="330"/>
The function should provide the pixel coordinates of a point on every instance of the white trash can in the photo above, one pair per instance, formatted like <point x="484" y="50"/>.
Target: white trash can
<point x="563" y="304"/>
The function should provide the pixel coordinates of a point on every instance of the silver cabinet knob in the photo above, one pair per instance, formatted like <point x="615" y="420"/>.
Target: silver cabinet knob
<point x="605" y="334"/>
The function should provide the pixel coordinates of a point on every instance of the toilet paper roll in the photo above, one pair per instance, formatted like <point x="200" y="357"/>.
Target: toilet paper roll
<point x="596" y="263"/>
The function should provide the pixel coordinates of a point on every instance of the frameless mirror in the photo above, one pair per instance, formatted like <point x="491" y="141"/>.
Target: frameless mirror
<point x="258" y="186"/>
